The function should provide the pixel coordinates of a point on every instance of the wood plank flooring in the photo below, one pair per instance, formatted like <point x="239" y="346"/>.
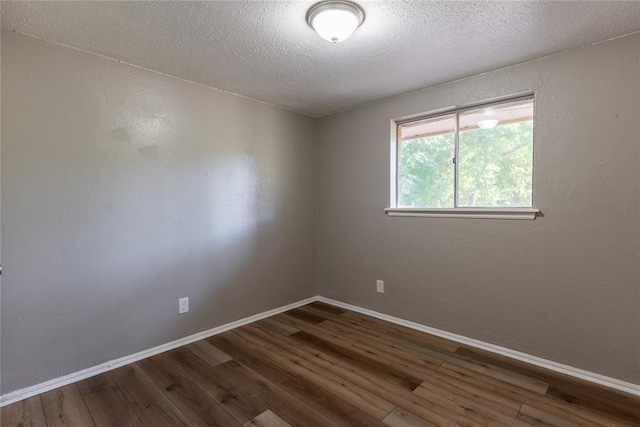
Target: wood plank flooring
<point x="320" y="365"/>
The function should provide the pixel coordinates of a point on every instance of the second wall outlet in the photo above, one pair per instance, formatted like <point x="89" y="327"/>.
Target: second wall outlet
<point x="183" y="305"/>
<point x="380" y="286"/>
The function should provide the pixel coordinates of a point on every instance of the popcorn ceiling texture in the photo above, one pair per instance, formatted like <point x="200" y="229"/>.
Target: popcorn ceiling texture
<point x="266" y="50"/>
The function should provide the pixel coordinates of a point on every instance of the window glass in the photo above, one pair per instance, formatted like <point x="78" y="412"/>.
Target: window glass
<point x="480" y="157"/>
<point x="425" y="167"/>
<point x="496" y="156"/>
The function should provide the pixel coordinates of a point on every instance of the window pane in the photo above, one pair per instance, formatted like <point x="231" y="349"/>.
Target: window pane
<point x="425" y="163"/>
<point x="496" y="156"/>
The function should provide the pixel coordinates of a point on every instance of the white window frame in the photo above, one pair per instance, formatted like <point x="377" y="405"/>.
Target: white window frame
<point x="456" y="212"/>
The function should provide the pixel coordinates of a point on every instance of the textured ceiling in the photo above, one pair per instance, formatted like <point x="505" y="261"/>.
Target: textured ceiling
<point x="266" y="51"/>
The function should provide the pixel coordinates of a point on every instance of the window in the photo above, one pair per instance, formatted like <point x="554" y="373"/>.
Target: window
<point x="473" y="162"/>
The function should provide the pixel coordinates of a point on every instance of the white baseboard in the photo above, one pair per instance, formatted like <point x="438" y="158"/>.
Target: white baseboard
<point x="523" y="357"/>
<point x="28" y="392"/>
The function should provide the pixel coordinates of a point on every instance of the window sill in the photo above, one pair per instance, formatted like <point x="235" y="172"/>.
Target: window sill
<point x="488" y="213"/>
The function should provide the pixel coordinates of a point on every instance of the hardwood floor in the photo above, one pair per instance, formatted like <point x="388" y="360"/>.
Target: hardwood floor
<point x="320" y="365"/>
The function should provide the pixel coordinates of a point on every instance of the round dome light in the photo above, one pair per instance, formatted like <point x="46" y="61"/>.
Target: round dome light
<point x="488" y="123"/>
<point x="335" y="21"/>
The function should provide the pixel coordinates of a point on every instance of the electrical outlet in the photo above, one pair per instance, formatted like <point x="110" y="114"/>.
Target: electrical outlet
<point x="380" y="286"/>
<point x="183" y="305"/>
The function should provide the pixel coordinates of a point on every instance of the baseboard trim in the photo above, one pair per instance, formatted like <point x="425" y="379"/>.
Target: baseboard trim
<point x="609" y="382"/>
<point x="37" y="389"/>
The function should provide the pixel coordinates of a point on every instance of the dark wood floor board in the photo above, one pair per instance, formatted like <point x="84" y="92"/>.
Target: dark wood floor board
<point x="535" y="417"/>
<point x="520" y="394"/>
<point x="242" y="406"/>
<point x="380" y="346"/>
<point x="444" y="383"/>
<point x="65" y="407"/>
<point x="347" y="329"/>
<point x="306" y="315"/>
<point x="392" y="328"/>
<point x="318" y="312"/>
<point x="482" y="381"/>
<point x="421" y="348"/>
<point x="404" y="399"/>
<point x="496" y="372"/>
<point x="339" y="338"/>
<point x="282" y="403"/>
<point x="578" y="392"/>
<point x="565" y="409"/>
<point x="349" y="338"/>
<point x="419" y="370"/>
<point x="277" y="326"/>
<point x="321" y="332"/>
<point x="199" y="408"/>
<point x="439" y="401"/>
<point x="209" y="352"/>
<point x="273" y="372"/>
<point x="608" y="403"/>
<point x="507" y="363"/>
<point x="334" y="407"/>
<point x="425" y="340"/>
<point x="625" y="409"/>
<point x="107" y="404"/>
<point x="26" y="413"/>
<point x="320" y="365"/>
<point x="385" y="372"/>
<point x="530" y="383"/>
<point x="315" y="329"/>
<point x="401" y="418"/>
<point x="247" y="340"/>
<point x="355" y="395"/>
<point x="358" y="326"/>
<point x="470" y="408"/>
<point x="267" y="419"/>
<point x="235" y="348"/>
<point x="145" y="398"/>
<point x="550" y="415"/>
<point x="293" y="321"/>
<point x="294" y="346"/>
<point x="327" y="307"/>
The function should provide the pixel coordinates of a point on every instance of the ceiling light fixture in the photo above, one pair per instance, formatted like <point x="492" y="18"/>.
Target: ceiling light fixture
<point x="488" y="123"/>
<point x="490" y="119"/>
<point x="335" y="20"/>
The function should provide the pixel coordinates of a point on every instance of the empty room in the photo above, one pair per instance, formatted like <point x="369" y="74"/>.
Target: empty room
<point x="334" y="213"/>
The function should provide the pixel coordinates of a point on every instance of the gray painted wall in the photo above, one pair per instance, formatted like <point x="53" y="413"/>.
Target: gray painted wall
<point x="123" y="190"/>
<point x="566" y="286"/>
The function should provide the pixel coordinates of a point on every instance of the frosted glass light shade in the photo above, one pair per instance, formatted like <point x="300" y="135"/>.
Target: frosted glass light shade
<point x="335" y="21"/>
<point x="488" y="123"/>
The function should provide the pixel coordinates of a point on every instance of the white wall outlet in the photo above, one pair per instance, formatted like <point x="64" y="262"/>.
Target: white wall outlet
<point x="183" y="305"/>
<point x="380" y="286"/>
